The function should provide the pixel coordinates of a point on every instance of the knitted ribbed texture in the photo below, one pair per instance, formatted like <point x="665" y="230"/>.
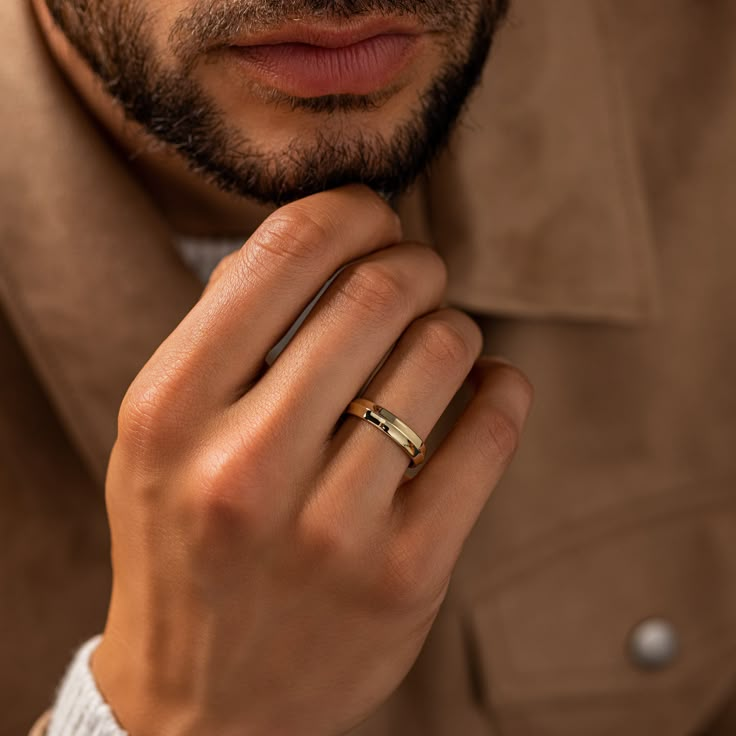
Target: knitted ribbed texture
<point x="79" y="709"/>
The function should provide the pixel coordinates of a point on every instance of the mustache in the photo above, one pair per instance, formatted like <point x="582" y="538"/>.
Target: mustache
<point x="212" y="23"/>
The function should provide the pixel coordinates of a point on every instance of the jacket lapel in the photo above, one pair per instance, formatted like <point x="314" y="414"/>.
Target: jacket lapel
<point x="88" y="275"/>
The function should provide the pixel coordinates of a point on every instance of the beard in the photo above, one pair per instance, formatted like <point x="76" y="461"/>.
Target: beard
<point x="113" y="37"/>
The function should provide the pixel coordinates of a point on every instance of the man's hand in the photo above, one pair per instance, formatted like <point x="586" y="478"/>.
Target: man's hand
<point x="272" y="574"/>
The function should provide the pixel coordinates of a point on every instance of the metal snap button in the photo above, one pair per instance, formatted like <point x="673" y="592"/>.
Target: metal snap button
<point x="653" y="643"/>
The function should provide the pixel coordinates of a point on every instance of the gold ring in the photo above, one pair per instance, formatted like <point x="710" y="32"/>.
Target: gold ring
<point x="392" y="426"/>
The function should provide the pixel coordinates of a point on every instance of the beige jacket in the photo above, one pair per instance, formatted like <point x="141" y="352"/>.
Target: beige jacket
<point x="587" y="212"/>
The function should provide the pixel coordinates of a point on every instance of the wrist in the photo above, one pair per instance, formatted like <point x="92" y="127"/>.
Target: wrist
<point x="79" y="707"/>
<point x="133" y="695"/>
<point x="148" y="703"/>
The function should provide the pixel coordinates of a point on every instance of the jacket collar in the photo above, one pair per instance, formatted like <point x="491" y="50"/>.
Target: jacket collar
<point x="539" y="207"/>
<point x="88" y="276"/>
<point x="536" y="214"/>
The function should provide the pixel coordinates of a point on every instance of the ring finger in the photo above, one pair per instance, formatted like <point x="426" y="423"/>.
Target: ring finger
<point x="417" y="383"/>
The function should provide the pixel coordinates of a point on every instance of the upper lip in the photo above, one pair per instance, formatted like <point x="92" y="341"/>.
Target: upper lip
<point x="333" y="36"/>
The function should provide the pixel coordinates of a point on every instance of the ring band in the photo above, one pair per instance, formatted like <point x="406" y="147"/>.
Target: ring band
<point x="391" y="425"/>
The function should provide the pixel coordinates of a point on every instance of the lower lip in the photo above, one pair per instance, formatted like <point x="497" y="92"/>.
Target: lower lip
<point x="303" y="70"/>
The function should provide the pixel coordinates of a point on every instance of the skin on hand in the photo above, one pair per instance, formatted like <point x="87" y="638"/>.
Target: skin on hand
<point x="272" y="573"/>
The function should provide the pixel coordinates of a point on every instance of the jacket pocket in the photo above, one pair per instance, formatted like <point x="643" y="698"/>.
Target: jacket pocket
<point x="621" y="628"/>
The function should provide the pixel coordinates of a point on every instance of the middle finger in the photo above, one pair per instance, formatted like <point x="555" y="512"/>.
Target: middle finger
<point x="342" y="341"/>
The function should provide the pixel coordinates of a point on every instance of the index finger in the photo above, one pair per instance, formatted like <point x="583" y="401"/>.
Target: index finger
<point x="221" y="345"/>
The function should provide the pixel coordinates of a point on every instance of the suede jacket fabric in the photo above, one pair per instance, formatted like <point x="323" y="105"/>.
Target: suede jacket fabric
<point x="587" y="212"/>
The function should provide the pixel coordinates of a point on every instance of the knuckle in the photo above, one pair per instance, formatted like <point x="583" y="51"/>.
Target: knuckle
<point x="293" y="237"/>
<point x="224" y="496"/>
<point x="499" y="438"/>
<point x="238" y="478"/>
<point x="374" y="289"/>
<point x="443" y="343"/>
<point x="154" y="408"/>
<point x="142" y="417"/>
<point x="135" y="418"/>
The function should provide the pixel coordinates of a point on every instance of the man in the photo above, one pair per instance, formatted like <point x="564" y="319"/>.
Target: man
<point x="272" y="572"/>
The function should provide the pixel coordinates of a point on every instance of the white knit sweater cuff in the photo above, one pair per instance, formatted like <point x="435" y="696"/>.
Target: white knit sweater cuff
<point x="80" y="709"/>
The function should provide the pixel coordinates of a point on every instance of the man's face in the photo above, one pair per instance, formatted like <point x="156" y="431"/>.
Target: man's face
<point x="278" y="99"/>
